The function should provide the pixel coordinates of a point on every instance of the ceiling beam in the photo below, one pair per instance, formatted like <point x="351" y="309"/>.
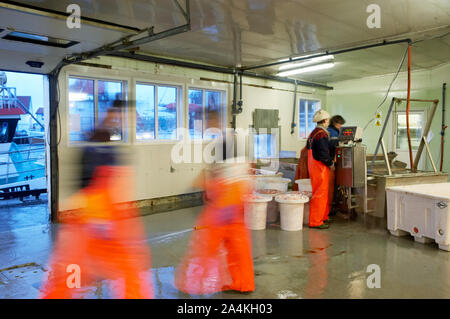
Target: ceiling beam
<point x="212" y="68"/>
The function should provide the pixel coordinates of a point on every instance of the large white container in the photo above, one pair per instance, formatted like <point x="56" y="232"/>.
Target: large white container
<point x="304" y="185"/>
<point x="262" y="177"/>
<point x="422" y="211"/>
<point x="255" y="212"/>
<point x="291" y="211"/>
<point x="278" y="183"/>
<point x="306" y="205"/>
<point x="273" y="211"/>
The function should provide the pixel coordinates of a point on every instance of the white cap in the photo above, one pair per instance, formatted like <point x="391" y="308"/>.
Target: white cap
<point x="320" y="116"/>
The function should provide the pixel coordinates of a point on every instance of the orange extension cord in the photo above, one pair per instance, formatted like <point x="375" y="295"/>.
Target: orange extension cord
<point x="408" y="106"/>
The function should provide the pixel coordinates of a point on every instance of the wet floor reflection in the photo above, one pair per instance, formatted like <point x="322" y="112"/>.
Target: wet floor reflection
<point x="317" y="277"/>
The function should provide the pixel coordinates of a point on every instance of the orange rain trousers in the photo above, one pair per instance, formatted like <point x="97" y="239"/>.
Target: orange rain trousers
<point x="219" y="256"/>
<point x="104" y="241"/>
<point x="302" y="168"/>
<point x="320" y="180"/>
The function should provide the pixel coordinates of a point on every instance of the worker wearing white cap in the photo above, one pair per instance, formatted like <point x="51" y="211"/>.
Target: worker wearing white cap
<point x="319" y="163"/>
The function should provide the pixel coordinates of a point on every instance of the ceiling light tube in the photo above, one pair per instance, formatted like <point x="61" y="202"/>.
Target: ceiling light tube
<point x="305" y="63"/>
<point x="307" y="69"/>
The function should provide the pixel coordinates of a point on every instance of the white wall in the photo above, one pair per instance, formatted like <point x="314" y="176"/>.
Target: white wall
<point x="152" y="161"/>
<point x="357" y="101"/>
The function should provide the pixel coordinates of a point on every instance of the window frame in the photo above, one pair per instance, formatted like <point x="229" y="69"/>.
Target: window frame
<point x="180" y="104"/>
<point x="306" y="115"/>
<point x="125" y="119"/>
<point x="223" y="120"/>
<point x="422" y="112"/>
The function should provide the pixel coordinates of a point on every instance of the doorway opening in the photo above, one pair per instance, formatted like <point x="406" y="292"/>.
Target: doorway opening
<point x="24" y="105"/>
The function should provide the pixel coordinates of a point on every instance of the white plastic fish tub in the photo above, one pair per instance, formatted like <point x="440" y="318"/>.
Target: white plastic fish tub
<point x="291" y="211"/>
<point x="277" y="183"/>
<point x="422" y="211"/>
<point x="255" y="212"/>
<point x="272" y="207"/>
<point x="304" y="185"/>
<point x="306" y="205"/>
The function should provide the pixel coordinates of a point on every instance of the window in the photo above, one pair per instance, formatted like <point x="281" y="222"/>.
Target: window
<point x="89" y="100"/>
<point x="265" y="146"/>
<point x="416" y="123"/>
<point x="206" y="111"/>
<point x="161" y="122"/>
<point x="307" y="109"/>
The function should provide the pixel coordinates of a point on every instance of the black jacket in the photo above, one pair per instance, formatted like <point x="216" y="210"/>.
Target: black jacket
<point x="319" y="143"/>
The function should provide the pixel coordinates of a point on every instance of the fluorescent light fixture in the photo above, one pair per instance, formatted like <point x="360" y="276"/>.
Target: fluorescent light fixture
<point x="308" y="62"/>
<point x="307" y="69"/>
<point x="39" y="39"/>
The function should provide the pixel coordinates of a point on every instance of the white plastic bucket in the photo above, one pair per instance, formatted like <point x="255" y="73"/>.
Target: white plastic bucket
<point x="277" y="183"/>
<point x="306" y="205"/>
<point x="273" y="212"/>
<point x="291" y="211"/>
<point x="255" y="212"/>
<point x="304" y="185"/>
<point x="261" y="179"/>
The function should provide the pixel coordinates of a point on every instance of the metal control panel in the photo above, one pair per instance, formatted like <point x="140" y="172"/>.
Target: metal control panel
<point x="351" y="165"/>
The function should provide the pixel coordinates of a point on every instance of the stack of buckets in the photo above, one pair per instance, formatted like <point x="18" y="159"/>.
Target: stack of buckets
<point x="271" y="196"/>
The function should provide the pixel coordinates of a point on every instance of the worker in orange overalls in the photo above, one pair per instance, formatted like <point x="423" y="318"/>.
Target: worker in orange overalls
<point x="102" y="240"/>
<point x="319" y="163"/>
<point x="219" y="256"/>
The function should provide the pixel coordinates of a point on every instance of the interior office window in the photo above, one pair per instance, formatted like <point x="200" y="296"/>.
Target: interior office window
<point x="167" y="112"/>
<point x="307" y="109"/>
<point x="206" y="111"/>
<point x="89" y="100"/>
<point x="81" y="108"/>
<point x="145" y="112"/>
<point x="196" y="113"/>
<point x="156" y="112"/>
<point x="416" y="123"/>
<point x="265" y="146"/>
<point x="108" y="91"/>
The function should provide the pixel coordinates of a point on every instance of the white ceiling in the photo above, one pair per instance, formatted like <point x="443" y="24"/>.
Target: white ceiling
<point x="246" y="32"/>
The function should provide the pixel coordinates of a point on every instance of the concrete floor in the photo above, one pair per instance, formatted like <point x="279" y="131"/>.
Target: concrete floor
<point x="306" y="264"/>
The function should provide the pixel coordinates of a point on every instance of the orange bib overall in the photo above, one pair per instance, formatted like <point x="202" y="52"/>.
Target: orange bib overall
<point x="320" y="179"/>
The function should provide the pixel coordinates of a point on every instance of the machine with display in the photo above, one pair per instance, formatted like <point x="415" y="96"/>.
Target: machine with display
<point x="350" y="170"/>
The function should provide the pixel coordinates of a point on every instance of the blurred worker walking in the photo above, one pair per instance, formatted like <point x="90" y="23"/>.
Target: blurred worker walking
<point x="102" y="240"/>
<point x="319" y="163"/>
<point x="220" y="255"/>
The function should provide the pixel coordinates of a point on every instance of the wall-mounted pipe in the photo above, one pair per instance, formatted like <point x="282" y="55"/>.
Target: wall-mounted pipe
<point x="408" y="105"/>
<point x="240" y="103"/>
<point x="233" y="107"/>
<point x="444" y="127"/>
<point x="293" y="109"/>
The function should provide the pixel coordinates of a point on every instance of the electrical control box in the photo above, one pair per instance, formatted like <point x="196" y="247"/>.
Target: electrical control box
<point x="351" y="165"/>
